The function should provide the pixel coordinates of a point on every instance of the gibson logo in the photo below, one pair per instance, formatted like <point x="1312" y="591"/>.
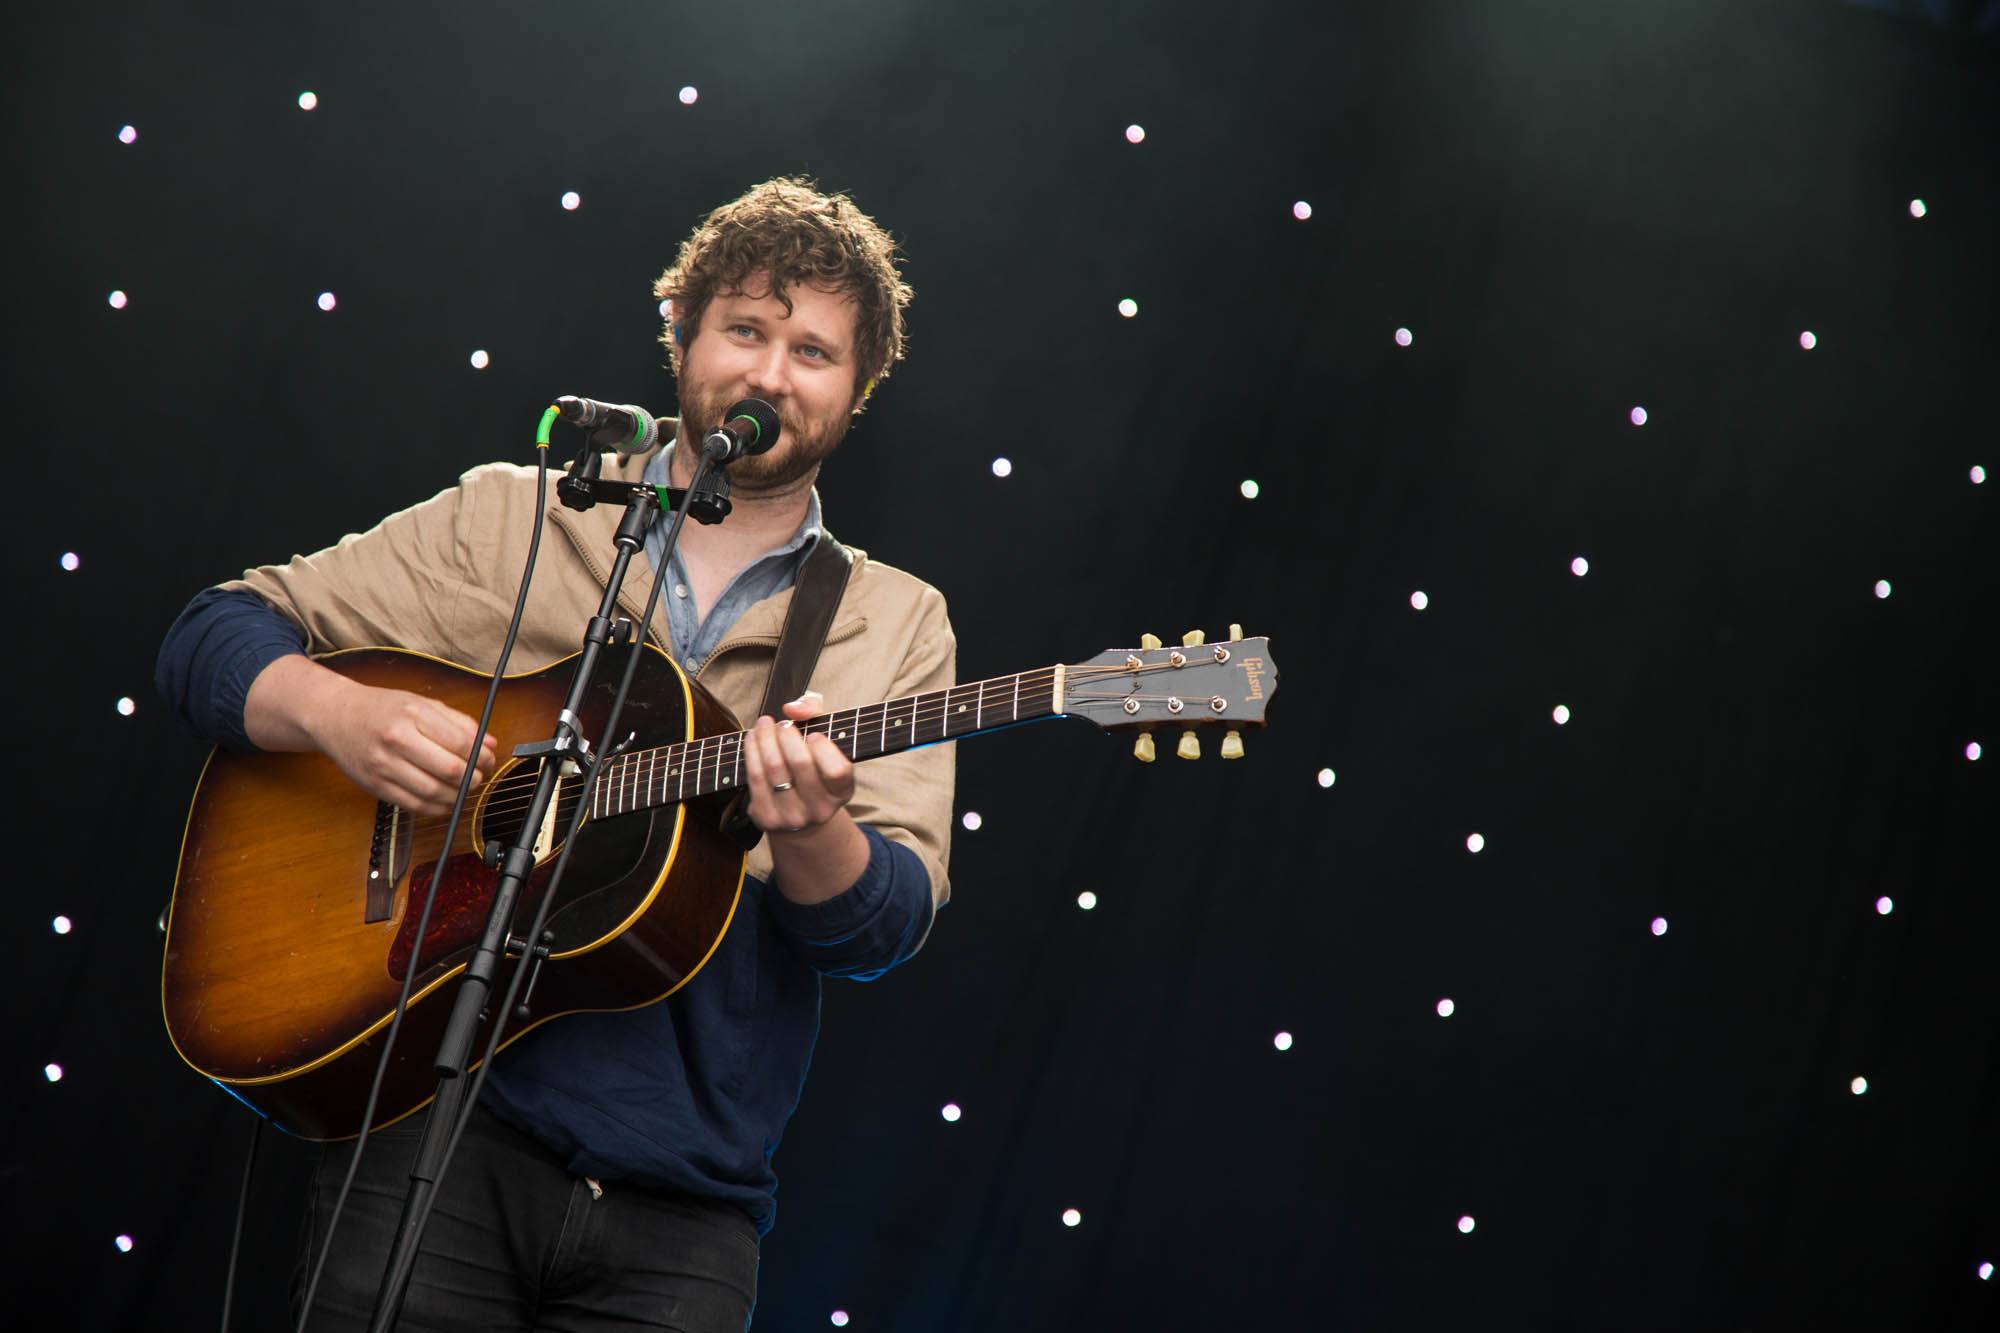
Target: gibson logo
<point x="1253" y="667"/>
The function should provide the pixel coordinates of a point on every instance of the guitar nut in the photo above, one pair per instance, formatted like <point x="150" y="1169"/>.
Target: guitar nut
<point x="1221" y="653"/>
<point x="1218" y="703"/>
<point x="1174" y="705"/>
<point x="1178" y="659"/>
<point x="1131" y="704"/>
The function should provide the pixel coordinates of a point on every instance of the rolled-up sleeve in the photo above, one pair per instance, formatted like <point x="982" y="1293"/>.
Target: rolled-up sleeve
<point x="876" y="923"/>
<point x="218" y="646"/>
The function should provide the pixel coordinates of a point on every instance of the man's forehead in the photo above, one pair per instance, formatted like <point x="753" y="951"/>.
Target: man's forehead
<point x="835" y="312"/>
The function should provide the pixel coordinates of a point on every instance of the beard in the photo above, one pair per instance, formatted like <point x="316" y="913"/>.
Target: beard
<point x="802" y="446"/>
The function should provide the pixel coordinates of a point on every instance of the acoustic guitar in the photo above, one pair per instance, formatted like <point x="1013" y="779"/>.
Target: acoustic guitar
<point x="293" y="921"/>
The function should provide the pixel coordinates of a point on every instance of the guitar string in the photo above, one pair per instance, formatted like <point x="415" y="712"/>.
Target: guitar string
<point x="515" y="792"/>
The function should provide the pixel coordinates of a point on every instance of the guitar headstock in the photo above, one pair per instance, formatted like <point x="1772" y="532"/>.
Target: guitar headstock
<point x="1198" y="684"/>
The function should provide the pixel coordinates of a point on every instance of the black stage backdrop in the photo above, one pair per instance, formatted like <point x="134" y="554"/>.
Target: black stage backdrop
<point x="1575" y="209"/>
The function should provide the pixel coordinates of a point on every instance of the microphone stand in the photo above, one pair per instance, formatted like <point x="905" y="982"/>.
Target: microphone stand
<point x="580" y="489"/>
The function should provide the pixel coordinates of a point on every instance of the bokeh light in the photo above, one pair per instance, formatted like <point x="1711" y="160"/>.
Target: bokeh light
<point x="1326" y="777"/>
<point x="1858" y="1085"/>
<point x="1882" y="588"/>
<point x="1465" y="1226"/>
<point x="1918" y="208"/>
<point x="950" y="1112"/>
<point x="1579" y="566"/>
<point x="1420" y="599"/>
<point x="1446" y="1007"/>
<point x="972" y="819"/>
<point x="308" y="100"/>
<point x="571" y="200"/>
<point x="1282" y="1041"/>
<point x="124" y="1244"/>
<point x="1638" y="415"/>
<point x="480" y="360"/>
<point x="1003" y="467"/>
<point x="1135" y="134"/>
<point x="126" y="134"/>
<point x="839" y="1318"/>
<point x="1972" y="751"/>
<point x="1978" y="475"/>
<point x="1249" y="489"/>
<point x="1659" y="925"/>
<point x="327" y="301"/>
<point x="1128" y="307"/>
<point x="70" y="561"/>
<point x="1404" y="337"/>
<point x="61" y="925"/>
<point x="1087" y="901"/>
<point x="126" y="707"/>
<point x="1561" y="715"/>
<point x="1302" y="210"/>
<point x="1884" y="905"/>
<point x="1807" y="340"/>
<point x="52" y="1072"/>
<point x="688" y="95"/>
<point x="118" y="300"/>
<point x="1071" y="1217"/>
<point x="1475" y="843"/>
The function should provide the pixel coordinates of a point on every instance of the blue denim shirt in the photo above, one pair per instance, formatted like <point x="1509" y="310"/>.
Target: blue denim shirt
<point x="692" y="1093"/>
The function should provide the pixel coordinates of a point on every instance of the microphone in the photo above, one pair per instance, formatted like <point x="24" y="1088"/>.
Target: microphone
<point x="750" y="427"/>
<point x="628" y="429"/>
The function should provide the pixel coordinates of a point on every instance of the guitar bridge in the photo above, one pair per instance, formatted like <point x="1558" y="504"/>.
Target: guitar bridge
<point x="388" y="859"/>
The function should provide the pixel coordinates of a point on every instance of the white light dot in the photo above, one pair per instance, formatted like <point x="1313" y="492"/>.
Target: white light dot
<point x="1302" y="210"/>
<point x="1446" y="1008"/>
<point x="1404" y="337"/>
<point x="972" y="819"/>
<point x="1087" y="901"/>
<point x="1561" y="714"/>
<point x="1475" y="843"/>
<point x="126" y="707"/>
<point x="124" y="1244"/>
<point x="1978" y="475"/>
<point x="1917" y="208"/>
<point x="1638" y="416"/>
<point x="688" y="95"/>
<point x="480" y="360"/>
<point x="1326" y="777"/>
<point x="1985" y="1272"/>
<point x="1659" y="926"/>
<point x="1249" y="488"/>
<point x="118" y="300"/>
<point x="326" y="301"/>
<point x="1071" y="1217"/>
<point x="1858" y="1086"/>
<point x="1465" y="1226"/>
<point x="1420" y="599"/>
<point x="1884" y="905"/>
<point x="1135" y="134"/>
<point x="1972" y="751"/>
<point x="951" y="1112"/>
<point x="61" y="925"/>
<point x="571" y="200"/>
<point x="667" y="309"/>
<point x="839" y="1318"/>
<point x="127" y="134"/>
<point x="1128" y="307"/>
<point x="1579" y="566"/>
<point x="52" y="1072"/>
<point x="70" y="561"/>
<point x="1003" y="467"/>
<point x="308" y="100"/>
<point x="1283" y="1041"/>
<point x="1882" y="588"/>
<point x="1807" y="340"/>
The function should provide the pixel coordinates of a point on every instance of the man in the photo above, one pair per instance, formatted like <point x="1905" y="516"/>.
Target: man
<point x="617" y="1171"/>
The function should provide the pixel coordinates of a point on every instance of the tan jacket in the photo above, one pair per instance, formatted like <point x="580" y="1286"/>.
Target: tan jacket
<point x="440" y="578"/>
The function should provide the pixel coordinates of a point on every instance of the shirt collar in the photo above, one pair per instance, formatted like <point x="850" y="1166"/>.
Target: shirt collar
<point x="807" y="535"/>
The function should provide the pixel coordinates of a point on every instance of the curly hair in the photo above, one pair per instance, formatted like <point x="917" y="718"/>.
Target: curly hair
<point x="789" y="230"/>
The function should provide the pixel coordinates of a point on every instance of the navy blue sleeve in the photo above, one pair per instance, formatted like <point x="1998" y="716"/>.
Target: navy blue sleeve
<point x="217" y="647"/>
<point x="872" y="925"/>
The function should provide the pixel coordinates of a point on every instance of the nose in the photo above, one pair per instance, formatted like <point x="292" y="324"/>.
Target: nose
<point x="769" y="376"/>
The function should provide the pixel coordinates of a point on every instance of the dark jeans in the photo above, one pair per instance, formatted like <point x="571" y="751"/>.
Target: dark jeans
<point x="515" y="1242"/>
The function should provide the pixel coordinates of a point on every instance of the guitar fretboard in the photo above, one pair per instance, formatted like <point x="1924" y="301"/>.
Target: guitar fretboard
<point x="643" y="779"/>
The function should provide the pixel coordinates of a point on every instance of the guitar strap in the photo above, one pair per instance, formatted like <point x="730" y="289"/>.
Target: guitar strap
<point x="815" y="597"/>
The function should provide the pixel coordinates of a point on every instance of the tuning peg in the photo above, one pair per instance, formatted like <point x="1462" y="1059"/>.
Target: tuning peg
<point x="1190" y="747"/>
<point x="1235" y="632"/>
<point x="1142" y="749"/>
<point x="1232" y="745"/>
<point x="1149" y="641"/>
<point x="1192" y="638"/>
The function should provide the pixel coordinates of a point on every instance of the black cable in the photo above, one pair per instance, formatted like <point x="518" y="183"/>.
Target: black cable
<point x="430" y="898"/>
<point x="242" y="1205"/>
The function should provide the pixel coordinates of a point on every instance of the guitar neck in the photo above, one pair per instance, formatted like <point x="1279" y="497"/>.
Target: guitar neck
<point x="643" y="779"/>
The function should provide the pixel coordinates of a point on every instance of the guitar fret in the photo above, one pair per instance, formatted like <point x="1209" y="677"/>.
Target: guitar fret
<point x="1017" y="697"/>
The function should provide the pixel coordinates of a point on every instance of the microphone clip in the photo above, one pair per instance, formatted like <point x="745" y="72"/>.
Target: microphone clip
<point x="708" y="502"/>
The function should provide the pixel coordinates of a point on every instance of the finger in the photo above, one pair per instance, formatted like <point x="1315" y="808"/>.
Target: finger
<point x="454" y="731"/>
<point x="799" y="763"/>
<point x="810" y="704"/>
<point x="836" y="770"/>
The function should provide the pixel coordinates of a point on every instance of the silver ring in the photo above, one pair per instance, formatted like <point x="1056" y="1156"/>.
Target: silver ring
<point x="781" y="786"/>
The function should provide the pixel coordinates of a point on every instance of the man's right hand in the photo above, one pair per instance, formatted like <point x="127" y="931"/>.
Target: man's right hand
<point x="399" y="747"/>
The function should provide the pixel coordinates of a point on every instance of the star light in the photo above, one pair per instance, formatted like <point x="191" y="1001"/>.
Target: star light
<point x="1858" y="1086"/>
<point x="1283" y="1041"/>
<point x="1446" y="1008"/>
<point x="61" y="925"/>
<point x="1917" y="208"/>
<point x="1579" y="566"/>
<point x="950" y="1112"/>
<point x="327" y="301"/>
<point x="1561" y="715"/>
<point x="1071" y="1217"/>
<point x="480" y="360"/>
<point x="1978" y="475"/>
<point x="1884" y="905"/>
<point x="839" y="1318"/>
<point x="126" y="707"/>
<point x="70" y="561"/>
<point x="1475" y="843"/>
<point x="688" y="95"/>
<point x="52" y="1072"/>
<point x="308" y="100"/>
<point x="1302" y="210"/>
<point x="1972" y="751"/>
<point x="571" y="200"/>
<point x="1087" y="901"/>
<point x="124" y="1244"/>
<point x="1985" y="1271"/>
<point x="126" y="134"/>
<point x="1882" y="588"/>
<point x="1638" y="416"/>
<point x="1249" y="488"/>
<point x="1128" y="307"/>
<point x="1135" y="134"/>
<point x="1659" y="925"/>
<point x="1003" y="467"/>
<point x="972" y="819"/>
<point x="1325" y="777"/>
<point x="1420" y="599"/>
<point x="1807" y="340"/>
<point x="1404" y="337"/>
<point x="118" y="300"/>
<point x="1465" y="1226"/>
